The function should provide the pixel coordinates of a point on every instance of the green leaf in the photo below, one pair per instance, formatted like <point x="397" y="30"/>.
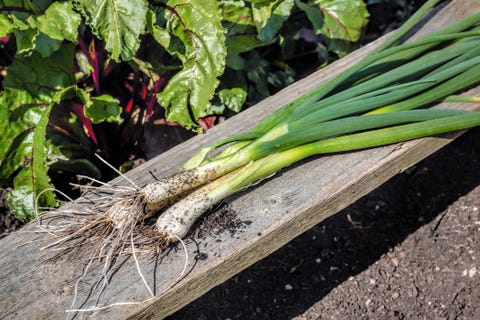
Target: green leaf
<point x="60" y="22"/>
<point x="118" y="22"/>
<point x="22" y="151"/>
<point x="159" y="34"/>
<point x="257" y="72"/>
<point x="103" y="108"/>
<point x="235" y="62"/>
<point x="77" y="166"/>
<point x="46" y="45"/>
<point x="269" y="16"/>
<point x="36" y="6"/>
<point x="280" y="79"/>
<point x="43" y="33"/>
<point x="9" y="24"/>
<point x="26" y="7"/>
<point x="40" y="76"/>
<point x="233" y="98"/>
<point x="168" y="41"/>
<point x="197" y="24"/>
<point x="340" y="21"/>
<point x="236" y="16"/>
<point x="31" y="39"/>
<point x="25" y="40"/>
<point x="28" y="184"/>
<point x="10" y="100"/>
<point x="242" y="43"/>
<point x="241" y="33"/>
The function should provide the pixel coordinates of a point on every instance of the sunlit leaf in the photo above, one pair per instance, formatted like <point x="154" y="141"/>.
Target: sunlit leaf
<point x="41" y="76"/>
<point x="59" y="22"/>
<point x="46" y="45"/>
<point x="118" y="22"/>
<point x="22" y="151"/>
<point x="9" y="24"/>
<point x="269" y="16"/>
<point x="233" y="98"/>
<point x="103" y="108"/>
<point x="197" y="24"/>
<point x="342" y="22"/>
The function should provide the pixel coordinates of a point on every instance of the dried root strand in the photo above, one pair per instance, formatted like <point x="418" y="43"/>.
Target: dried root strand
<point x="111" y="226"/>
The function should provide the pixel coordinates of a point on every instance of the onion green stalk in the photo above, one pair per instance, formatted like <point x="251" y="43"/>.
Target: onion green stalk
<point x="441" y="82"/>
<point x="382" y="56"/>
<point x="461" y="98"/>
<point x="439" y="59"/>
<point x="192" y="206"/>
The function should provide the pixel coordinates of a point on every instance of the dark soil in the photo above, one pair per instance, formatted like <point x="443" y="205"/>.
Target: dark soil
<point x="408" y="250"/>
<point x="8" y="221"/>
<point x="220" y="219"/>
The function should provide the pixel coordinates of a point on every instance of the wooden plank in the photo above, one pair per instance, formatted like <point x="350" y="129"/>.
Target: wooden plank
<point x="280" y="209"/>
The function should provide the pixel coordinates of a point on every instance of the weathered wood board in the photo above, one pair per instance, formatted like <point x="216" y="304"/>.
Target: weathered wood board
<point x="279" y="210"/>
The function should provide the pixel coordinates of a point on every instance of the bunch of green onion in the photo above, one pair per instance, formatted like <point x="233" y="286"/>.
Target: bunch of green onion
<point x="382" y="99"/>
<point x="369" y="105"/>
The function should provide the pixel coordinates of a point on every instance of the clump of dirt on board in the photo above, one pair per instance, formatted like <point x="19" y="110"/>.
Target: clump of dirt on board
<point x="220" y="219"/>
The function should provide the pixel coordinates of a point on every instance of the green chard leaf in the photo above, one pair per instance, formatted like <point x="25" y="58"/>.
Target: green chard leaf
<point x="103" y="108"/>
<point x="9" y="24"/>
<point x="26" y="8"/>
<point x="98" y="109"/>
<point x="233" y="98"/>
<point x="197" y="24"/>
<point x="257" y="70"/>
<point x="241" y="31"/>
<point x="159" y="34"/>
<point x="41" y="76"/>
<point x="46" y="45"/>
<point x="25" y="40"/>
<point x="269" y="16"/>
<point x="59" y="22"/>
<point x="168" y="41"/>
<point x="23" y="151"/>
<point x="35" y="6"/>
<point x="32" y="39"/>
<point x="30" y="87"/>
<point x="342" y="22"/>
<point x="118" y="22"/>
<point x="43" y="33"/>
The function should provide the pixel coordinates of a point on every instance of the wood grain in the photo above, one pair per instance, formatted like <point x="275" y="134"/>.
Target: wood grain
<point x="33" y="287"/>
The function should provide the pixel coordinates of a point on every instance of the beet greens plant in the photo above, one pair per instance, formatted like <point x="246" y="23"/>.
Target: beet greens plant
<point x="81" y="77"/>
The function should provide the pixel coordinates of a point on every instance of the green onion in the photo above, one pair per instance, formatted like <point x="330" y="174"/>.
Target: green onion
<point x="369" y="105"/>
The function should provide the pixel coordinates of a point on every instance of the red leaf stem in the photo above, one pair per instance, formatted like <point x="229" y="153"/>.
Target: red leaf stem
<point x="92" y="60"/>
<point x="207" y="122"/>
<point x="129" y="106"/>
<point x="108" y="68"/>
<point x="96" y="67"/>
<point x="143" y="92"/>
<point x="87" y="123"/>
<point x="129" y="87"/>
<point x="153" y="97"/>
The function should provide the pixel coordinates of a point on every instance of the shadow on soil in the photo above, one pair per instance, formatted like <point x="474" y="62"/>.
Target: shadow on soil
<point x="291" y="280"/>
